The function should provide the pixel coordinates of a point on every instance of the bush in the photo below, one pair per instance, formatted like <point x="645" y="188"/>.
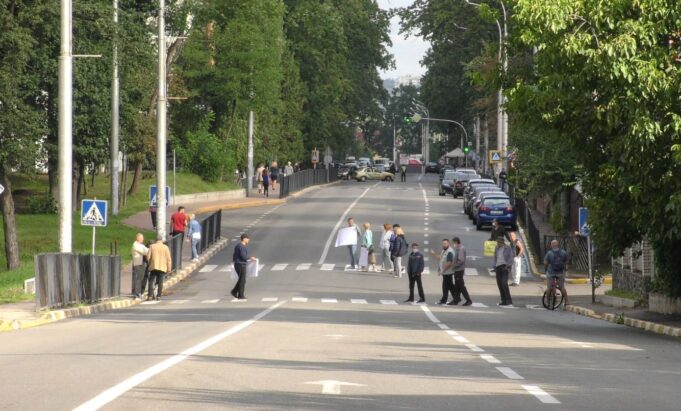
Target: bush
<point x="42" y="205"/>
<point x="203" y="153"/>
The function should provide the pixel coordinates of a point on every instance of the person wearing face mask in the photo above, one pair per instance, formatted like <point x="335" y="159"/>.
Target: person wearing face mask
<point x="414" y="270"/>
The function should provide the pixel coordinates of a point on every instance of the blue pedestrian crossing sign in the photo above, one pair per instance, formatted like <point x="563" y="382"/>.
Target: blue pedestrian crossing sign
<point x="93" y="213"/>
<point x="152" y="196"/>
<point x="494" y="156"/>
<point x="584" y="221"/>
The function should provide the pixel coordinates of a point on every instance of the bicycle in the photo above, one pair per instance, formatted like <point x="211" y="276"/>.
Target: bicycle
<point x="552" y="297"/>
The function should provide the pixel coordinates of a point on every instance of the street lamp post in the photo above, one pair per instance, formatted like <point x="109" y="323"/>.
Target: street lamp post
<point x="161" y="109"/>
<point x="65" y="129"/>
<point x="502" y="116"/>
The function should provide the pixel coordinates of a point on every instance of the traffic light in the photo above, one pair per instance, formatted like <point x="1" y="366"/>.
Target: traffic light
<point x="466" y="149"/>
<point x="407" y="120"/>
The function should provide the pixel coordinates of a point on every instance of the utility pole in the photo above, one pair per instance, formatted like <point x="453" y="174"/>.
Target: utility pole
<point x="161" y="125"/>
<point x="477" y="143"/>
<point x="249" y="185"/>
<point x="115" y="119"/>
<point x="65" y="129"/>
<point x="394" y="142"/>
<point x="485" y="159"/>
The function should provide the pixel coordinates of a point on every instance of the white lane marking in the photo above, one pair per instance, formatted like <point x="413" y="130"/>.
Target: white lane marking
<point x="303" y="267"/>
<point x="227" y="269"/>
<point x="490" y="358"/>
<point x="542" y="395"/>
<point x="461" y="339"/>
<point x="299" y="299"/>
<point x="270" y="299"/>
<point x="279" y="267"/>
<point x="329" y="300"/>
<point x="426" y="258"/>
<point x="473" y="257"/>
<point x="236" y="300"/>
<point x="479" y="305"/>
<point x="425" y="229"/>
<point x="179" y="301"/>
<point x="443" y="326"/>
<point x="426" y="249"/>
<point x="474" y="348"/>
<point x="509" y="373"/>
<point x="580" y="343"/>
<point x="452" y="333"/>
<point x="430" y="315"/>
<point x="358" y="301"/>
<point x="534" y="307"/>
<point x="261" y="267"/>
<point x="427" y="213"/>
<point x="508" y="307"/>
<point x="426" y="242"/>
<point x="341" y="220"/>
<point x="426" y="271"/>
<point x="335" y="335"/>
<point x="209" y="301"/>
<point x="425" y="218"/>
<point x="388" y="302"/>
<point x="425" y="223"/>
<point x="328" y="267"/>
<point x="137" y="379"/>
<point x="347" y="268"/>
<point x="471" y="271"/>
<point x="150" y="302"/>
<point x="208" y="268"/>
<point x="426" y="235"/>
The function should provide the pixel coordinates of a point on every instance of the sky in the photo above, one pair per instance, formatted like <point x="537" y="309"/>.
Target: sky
<point x="407" y="52"/>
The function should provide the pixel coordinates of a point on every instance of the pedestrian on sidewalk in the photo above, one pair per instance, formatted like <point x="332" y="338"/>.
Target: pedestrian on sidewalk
<point x="415" y="268"/>
<point x="367" y="249"/>
<point x="288" y="170"/>
<point x="446" y="270"/>
<point x="403" y="173"/>
<point x="384" y="245"/>
<point x="352" y="249"/>
<point x="266" y="182"/>
<point x="503" y="261"/>
<point x="258" y="177"/>
<point x="274" y="173"/>
<point x="392" y="168"/>
<point x="152" y="213"/>
<point x="178" y="222"/>
<point x="194" y="235"/>
<point x="519" y="250"/>
<point x="240" y="260"/>
<point x="400" y="249"/>
<point x="139" y="265"/>
<point x="160" y="264"/>
<point x="459" y="271"/>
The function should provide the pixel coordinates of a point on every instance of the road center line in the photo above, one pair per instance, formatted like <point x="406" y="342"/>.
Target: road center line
<point x="542" y="395"/>
<point x="509" y="373"/>
<point x="430" y="315"/>
<point x="340" y="221"/>
<point x="137" y="379"/>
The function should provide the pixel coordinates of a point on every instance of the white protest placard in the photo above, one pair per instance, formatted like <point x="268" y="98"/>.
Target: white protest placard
<point x="346" y="236"/>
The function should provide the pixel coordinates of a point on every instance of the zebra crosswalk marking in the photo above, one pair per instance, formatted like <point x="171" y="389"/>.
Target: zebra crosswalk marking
<point x="327" y="267"/>
<point x="210" y="301"/>
<point x="471" y="271"/>
<point x="303" y="267"/>
<point x="279" y="267"/>
<point x="208" y="268"/>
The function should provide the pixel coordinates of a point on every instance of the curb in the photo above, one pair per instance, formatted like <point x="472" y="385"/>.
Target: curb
<point x="58" y="315"/>
<point x="627" y="321"/>
<point x="606" y="280"/>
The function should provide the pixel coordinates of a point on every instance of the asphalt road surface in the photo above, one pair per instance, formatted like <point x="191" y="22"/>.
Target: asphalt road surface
<point x="315" y="336"/>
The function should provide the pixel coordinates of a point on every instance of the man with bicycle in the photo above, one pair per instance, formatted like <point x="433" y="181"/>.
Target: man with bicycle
<point x="555" y="265"/>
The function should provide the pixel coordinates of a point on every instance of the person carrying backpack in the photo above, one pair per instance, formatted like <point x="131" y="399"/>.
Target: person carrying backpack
<point x="555" y="264"/>
<point x="399" y="250"/>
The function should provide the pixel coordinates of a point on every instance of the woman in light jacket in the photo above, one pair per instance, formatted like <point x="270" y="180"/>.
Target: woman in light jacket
<point x="368" y="248"/>
<point x="387" y="263"/>
<point x="400" y="249"/>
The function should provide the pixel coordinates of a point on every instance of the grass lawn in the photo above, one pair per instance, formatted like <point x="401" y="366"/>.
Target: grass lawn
<point x="38" y="233"/>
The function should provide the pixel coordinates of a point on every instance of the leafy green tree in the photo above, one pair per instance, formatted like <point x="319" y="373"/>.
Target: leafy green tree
<point x="608" y="85"/>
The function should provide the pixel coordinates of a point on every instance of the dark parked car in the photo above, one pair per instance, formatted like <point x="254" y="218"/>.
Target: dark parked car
<point x="461" y="182"/>
<point x="432" y="168"/>
<point x="499" y="208"/>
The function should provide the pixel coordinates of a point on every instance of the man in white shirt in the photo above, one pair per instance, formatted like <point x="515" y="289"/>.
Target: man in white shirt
<point x="139" y="268"/>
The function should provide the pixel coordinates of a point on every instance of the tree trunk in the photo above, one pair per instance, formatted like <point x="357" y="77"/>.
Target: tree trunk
<point x="136" y="178"/>
<point x="75" y="187"/>
<point x="9" y="221"/>
<point x="81" y="182"/>
<point x="94" y="173"/>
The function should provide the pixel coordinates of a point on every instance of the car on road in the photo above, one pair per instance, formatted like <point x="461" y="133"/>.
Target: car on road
<point x="499" y="208"/>
<point x="432" y="167"/>
<point x="461" y="182"/>
<point x="479" y="201"/>
<point x="447" y="182"/>
<point x="479" y="195"/>
<point x="368" y="173"/>
<point x="472" y="194"/>
<point x="344" y="173"/>
<point x="466" y="170"/>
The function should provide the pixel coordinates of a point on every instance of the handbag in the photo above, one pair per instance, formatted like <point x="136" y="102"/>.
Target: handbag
<point x="490" y="246"/>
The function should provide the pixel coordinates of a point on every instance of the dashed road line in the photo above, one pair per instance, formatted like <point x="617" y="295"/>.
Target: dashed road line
<point x="541" y="395"/>
<point x="490" y="358"/>
<point x="509" y="373"/>
<point x="270" y="299"/>
<point x="388" y="302"/>
<point x="329" y="300"/>
<point x="303" y="267"/>
<point x="328" y="267"/>
<point x="208" y="268"/>
<point x="210" y="301"/>
<point x="358" y="301"/>
<point x="279" y="267"/>
<point x="299" y="299"/>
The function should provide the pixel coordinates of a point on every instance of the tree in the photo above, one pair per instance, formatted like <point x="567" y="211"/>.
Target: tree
<point x="21" y="127"/>
<point x="607" y="84"/>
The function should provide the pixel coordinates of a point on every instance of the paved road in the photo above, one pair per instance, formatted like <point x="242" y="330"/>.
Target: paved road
<point x="315" y="336"/>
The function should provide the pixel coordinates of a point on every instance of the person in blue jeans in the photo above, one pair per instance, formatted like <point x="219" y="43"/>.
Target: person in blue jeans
<point x="353" y="248"/>
<point x="194" y="236"/>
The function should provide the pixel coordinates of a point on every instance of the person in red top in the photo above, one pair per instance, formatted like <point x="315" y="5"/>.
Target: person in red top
<point x="178" y="222"/>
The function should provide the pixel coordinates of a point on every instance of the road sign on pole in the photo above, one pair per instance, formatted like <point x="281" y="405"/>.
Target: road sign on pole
<point x="1" y="189"/>
<point x="93" y="214"/>
<point x="153" y="196"/>
<point x="495" y="156"/>
<point x="583" y="221"/>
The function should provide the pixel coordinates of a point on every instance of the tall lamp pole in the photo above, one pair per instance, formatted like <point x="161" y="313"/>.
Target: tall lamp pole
<point x="115" y="123"/>
<point x="161" y="141"/>
<point x="65" y="129"/>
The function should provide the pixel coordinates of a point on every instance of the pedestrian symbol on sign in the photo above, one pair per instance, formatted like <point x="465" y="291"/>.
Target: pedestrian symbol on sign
<point x="93" y="213"/>
<point x="496" y="157"/>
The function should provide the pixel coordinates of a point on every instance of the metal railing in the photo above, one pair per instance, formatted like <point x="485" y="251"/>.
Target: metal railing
<point x="306" y="178"/>
<point x="210" y="230"/>
<point x="174" y="243"/>
<point x="62" y="279"/>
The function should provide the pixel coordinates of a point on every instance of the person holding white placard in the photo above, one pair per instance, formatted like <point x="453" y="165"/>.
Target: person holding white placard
<point x="241" y="260"/>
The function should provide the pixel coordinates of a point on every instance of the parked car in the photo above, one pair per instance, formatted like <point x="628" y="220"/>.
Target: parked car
<point x="432" y="167"/>
<point x="466" y="170"/>
<point x="368" y="173"/>
<point x="461" y="182"/>
<point x="444" y="169"/>
<point x="481" y="199"/>
<point x="477" y="197"/>
<point x="344" y="173"/>
<point x="447" y="182"/>
<point x="471" y="192"/>
<point x="498" y="208"/>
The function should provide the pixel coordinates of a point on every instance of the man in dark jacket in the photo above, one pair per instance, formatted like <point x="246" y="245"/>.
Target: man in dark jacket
<point x="503" y="261"/>
<point x="240" y="260"/>
<point x="498" y="231"/>
<point x="415" y="269"/>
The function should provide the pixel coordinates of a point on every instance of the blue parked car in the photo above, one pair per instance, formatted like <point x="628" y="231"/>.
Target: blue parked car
<point x="492" y="207"/>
